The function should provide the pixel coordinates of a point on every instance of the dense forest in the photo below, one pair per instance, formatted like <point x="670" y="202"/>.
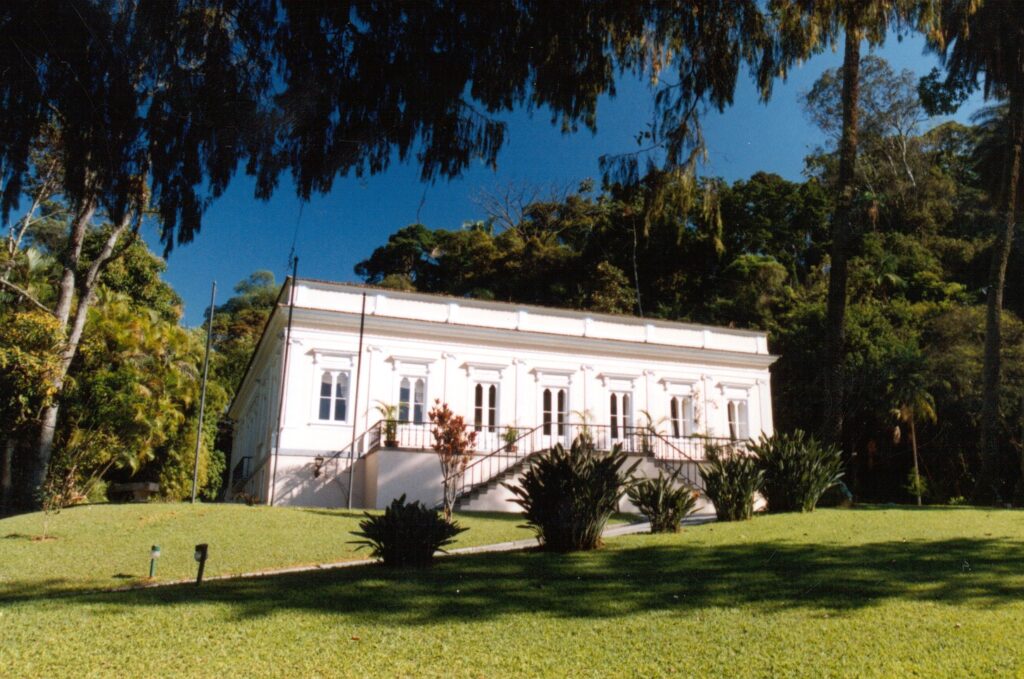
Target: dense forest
<point x="754" y="253"/>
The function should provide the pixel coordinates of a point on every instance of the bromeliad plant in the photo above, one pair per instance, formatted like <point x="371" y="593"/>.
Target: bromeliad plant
<point x="569" y="495"/>
<point x="664" y="502"/>
<point x="797" y="470"/>
<point x="406" y="534"/>
<point x="731" y="479"/>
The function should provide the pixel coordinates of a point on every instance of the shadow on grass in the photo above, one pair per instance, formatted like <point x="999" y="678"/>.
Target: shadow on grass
<point x="626" y="578"/>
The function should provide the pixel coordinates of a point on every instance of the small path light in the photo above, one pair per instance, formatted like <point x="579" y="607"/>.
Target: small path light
<point x="201" y="552"/>
<point x="318" y="466"/>
<point x="154" y="554"/>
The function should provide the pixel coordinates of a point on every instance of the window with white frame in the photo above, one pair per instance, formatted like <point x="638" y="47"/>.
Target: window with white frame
<point x="620" y="410"/>
<point x="555" y="403"/>
<point x="739" y="420"/>
<point x="485" y="407"/>
<point x="680" y="411"/>
<point x="412" y="397"/>
<point x="333" y="406"/>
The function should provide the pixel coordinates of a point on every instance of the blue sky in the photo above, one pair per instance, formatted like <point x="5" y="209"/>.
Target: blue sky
<point x="333" y="232"/>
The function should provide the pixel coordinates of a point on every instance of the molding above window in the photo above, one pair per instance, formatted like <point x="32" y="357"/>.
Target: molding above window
<point x="744" y="387"/>
<point x="420" y="361"/>
<point x="681" y="386"/>
<point x="473" y="367"/>
<point x="565" y="373"/>
<point x="333" y="358"/>
<point x="607" y="378"/>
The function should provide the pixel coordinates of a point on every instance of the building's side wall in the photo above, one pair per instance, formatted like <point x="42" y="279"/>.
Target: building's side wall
<point x="255" y="430"/>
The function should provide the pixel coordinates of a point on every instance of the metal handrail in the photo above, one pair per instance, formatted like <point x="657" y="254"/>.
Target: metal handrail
<point x="239" y="486"/>
<point x="364" y="443"/>
<point x="241" y="469"/>
<point x="637" y="440"/>
<point x="486" y="467"/>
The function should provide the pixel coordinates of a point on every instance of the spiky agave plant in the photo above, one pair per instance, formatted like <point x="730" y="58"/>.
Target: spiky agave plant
<point x="731" y="479"/>
<point x="664" y="502"/>
<point x="569" y="495"/>
<point x="797" y="470"/>
<point x="406" y="534"/>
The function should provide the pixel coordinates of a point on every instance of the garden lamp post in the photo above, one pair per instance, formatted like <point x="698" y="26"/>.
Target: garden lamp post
<point x="154" y="554"/>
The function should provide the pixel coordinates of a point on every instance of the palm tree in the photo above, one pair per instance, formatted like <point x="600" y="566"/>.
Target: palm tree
<point x="914" y="405"/>
<point x="807" y="27"/>
<point x="987" y="38"/>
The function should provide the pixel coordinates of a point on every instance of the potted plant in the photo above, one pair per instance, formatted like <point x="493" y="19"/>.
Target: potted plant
<point x="647" y="433"/>
<point x="510" y="437"/>
<point x="389" y="413"/>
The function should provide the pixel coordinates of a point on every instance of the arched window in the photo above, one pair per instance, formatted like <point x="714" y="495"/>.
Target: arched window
<point x="404" y="399"/>
<point x="562" y="411"/>
<point x="547" y="412"/>
<point x="333" y="404"/>
<point x="739" y="420"/>
<point x="621" y="418"/>
<point x="614" y="410"/>
<point x="673" y="409"/>
<point x="478" y="407"/>
<point x="419" y="396"/>
<point x="412" y="397"/>
<point x="492" y="407"/>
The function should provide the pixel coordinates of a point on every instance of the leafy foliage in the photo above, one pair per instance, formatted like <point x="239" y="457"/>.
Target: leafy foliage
<point x="406" y="534"/>
<point x="664" y="502"/>
<point x="568" y="496"/>
<point x="453" y="443"/>
<point x="29" y="348"/>
<point x="797" y="470"/>
<point x="731" y="479"/>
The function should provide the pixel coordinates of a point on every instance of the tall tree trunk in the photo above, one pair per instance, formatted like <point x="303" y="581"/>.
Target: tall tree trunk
<point x="6" y="482"/>
<point x="48" y="430"/>
<point x="989" y="488"/>
<point x="917" y="470"/>
<point x="835" y="332"/>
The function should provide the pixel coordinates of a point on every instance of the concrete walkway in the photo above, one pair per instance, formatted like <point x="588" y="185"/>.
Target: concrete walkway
<point x="609" y="532"/>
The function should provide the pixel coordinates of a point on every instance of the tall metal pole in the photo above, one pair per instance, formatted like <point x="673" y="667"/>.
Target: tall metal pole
<point x="355" y="404"/>
<point x="202" y="396"/>
<point x="284" y="378"/>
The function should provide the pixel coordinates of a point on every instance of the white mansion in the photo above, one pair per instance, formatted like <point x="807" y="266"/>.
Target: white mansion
<point x="524" y="377"/>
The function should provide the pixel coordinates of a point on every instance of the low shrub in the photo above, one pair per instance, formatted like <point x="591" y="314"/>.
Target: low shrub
<point x="797" y="470"/>
<point x="664" y="502"/>
<point x="406" y="534"/>
<point x="731" y="479"/>
<point x="569" y="495"/>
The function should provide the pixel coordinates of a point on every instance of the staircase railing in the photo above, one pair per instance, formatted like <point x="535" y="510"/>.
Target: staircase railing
<point x="686" y="451"/>
<point x="248" y="475"/>
<point x="364" y="444"/>
<point x="484" y="468"/>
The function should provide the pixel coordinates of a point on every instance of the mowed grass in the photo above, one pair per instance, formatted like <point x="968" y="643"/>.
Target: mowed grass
<point x="107" y="546"/>
<point x="868" y="592"/>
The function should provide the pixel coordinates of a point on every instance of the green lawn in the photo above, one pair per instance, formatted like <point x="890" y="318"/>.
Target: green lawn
<point x="868" y="592"/>
<point x="107" y="546"/>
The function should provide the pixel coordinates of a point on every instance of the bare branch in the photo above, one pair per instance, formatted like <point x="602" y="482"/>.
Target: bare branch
<point x="25" y="295"/>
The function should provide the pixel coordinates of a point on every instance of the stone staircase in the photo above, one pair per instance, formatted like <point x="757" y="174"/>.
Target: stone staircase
<point x="493" y="496"/>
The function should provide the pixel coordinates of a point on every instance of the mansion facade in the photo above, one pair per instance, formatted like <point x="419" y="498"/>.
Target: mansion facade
<point x="362" y="366"/>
